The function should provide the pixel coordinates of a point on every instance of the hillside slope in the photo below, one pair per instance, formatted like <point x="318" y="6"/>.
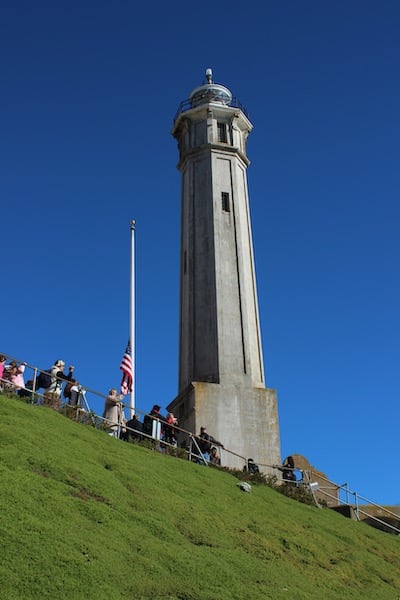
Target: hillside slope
<point x="88" y="516"/>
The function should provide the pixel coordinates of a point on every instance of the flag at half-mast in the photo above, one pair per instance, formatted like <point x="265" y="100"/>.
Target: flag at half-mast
<point x="127" y="371"/>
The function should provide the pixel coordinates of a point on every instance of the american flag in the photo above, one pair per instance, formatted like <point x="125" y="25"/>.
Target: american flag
<point x="127" y="371"/>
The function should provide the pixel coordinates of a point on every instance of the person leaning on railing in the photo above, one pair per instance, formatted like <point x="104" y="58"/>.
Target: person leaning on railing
<point x="251" y="466"/>
<point x="205" y="442"/>
<point x="287" y="470"/>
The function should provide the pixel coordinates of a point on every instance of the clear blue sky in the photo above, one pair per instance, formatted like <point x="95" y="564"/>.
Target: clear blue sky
<point x="88" y="94"/>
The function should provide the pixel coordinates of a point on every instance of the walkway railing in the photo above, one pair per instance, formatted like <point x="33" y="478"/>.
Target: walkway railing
<point x="363" y="507"/>
<point x="320" y="488"/>
<point x="189" y="444"/>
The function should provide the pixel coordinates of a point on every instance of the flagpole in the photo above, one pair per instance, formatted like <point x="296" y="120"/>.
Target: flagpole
<point x="132" y="320"/>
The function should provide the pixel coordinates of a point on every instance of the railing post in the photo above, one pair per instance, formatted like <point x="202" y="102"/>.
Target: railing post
<point x="357" y="511"/>
<point x="346" y="487"/>
<point x="190" y="448"/>
<point x="34" y="385"/>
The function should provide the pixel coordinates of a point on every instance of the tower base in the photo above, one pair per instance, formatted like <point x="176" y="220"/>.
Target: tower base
<point x="243" y="419"/>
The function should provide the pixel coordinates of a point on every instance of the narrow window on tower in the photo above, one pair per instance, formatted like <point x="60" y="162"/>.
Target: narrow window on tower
<point x="225" y="202"/>
<point x="222" y="133"/>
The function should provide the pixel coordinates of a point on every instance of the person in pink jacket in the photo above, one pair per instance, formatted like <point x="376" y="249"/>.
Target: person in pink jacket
<point x="14" y="374"/>
<point x="2" y="363"/>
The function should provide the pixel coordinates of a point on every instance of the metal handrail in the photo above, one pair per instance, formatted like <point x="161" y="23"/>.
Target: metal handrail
<point x="309" y="474"/>
<point x="357" y="498"/>
<point x="191" y="437"/>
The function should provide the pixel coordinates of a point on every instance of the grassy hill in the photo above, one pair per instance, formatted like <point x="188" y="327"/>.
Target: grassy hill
<point x="87" y="516"/>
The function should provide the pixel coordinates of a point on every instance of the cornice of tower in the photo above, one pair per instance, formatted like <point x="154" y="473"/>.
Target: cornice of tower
<point x="214" y="111"/>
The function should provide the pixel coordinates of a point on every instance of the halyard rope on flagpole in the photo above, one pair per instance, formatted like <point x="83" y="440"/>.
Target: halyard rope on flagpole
<point x="132" y="321"/>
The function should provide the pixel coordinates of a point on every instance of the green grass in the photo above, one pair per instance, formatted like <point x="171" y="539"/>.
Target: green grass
<point x="87" y="516"/>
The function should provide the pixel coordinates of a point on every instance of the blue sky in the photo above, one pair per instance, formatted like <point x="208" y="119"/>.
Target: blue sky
<point x="89" y="92"/>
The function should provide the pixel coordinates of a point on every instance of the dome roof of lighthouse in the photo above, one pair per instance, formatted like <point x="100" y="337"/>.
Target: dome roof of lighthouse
<point x="210" y="92"/>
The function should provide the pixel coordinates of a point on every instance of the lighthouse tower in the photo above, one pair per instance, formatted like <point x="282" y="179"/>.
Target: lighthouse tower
<point x="221" y="373"/>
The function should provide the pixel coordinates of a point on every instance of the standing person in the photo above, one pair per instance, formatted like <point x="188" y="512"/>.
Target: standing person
<point x="14" y="374"/>
<point x="68" y="388"/>
<point x="134" y="428"/>
<point x="52" y="393"/>
<point x="77" y="395"/>
<point x="74" y="393"/>
<point x="288" y="474"/>
<point x="152" y="423"/>
<point x="205" y="442"/>
<point x="2" y="363"/>
<point x="113" y="411"/>
<point x="287" y="469"/>
<point x="169" y="429"/>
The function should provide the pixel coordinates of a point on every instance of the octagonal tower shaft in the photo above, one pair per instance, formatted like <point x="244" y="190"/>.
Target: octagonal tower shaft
<point x="220" y="354"/>
<point x="219" y="323"/>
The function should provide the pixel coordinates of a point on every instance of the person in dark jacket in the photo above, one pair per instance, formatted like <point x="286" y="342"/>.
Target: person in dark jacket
<point x="287" y="469"/>
<point x="169" y="429"/>
<point x="152" y="422"/>
<point x="251" y="466"/>
<point x="134" y="428"/>
<point x="205" y="442"/>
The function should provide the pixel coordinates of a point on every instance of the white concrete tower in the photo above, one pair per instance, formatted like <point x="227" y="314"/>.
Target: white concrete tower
<point x="221" y="373"/>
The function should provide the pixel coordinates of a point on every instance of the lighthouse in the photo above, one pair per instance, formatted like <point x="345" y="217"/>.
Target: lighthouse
<point x="221" y="371"/>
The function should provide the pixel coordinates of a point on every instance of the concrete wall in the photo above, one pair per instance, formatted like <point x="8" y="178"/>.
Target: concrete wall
<point x="243" y="419"/>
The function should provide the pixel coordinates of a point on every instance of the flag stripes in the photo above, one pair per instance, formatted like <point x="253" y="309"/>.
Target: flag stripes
<point x="126" y="367"/>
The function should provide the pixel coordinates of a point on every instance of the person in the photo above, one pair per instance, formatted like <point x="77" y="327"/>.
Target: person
<point x="52" y="393"/>
<point x="112" y="413"/>
<point x="67" y="389"/>
<point x="287" y="469"/>
<point x="214" y="456"/>
<point x="133" y="431"/>
<point x="152" y="423"/>
<point x="2" y="363"/>
<point x="205" y="442"/>
<point x="74" y="393"/>
<point x="7" y="376"/>
<point x="77" y="398"/>
<point x="251" y="467"/>
<point x="169" y="430"/>
<point x="13" y="374"/>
